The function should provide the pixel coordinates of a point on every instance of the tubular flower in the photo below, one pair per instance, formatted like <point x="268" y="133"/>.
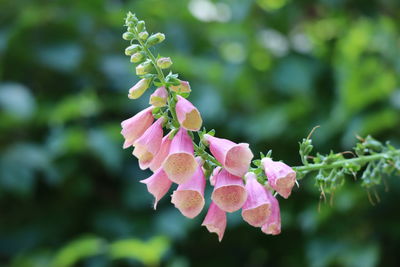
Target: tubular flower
<point x="162" y="153"/>
<point x="280" y="176"/>
<point x="229" y="191"/>
<point x="234" y="157"/>
<point x="188" y="115"/>
<point x="158" y="185"/>
<point x="189" y="196"/>
<point x="180" y="163"/>
<point x="139" y="88"/>
<point x="273" y="224"/>
<point x="159" y="97"/>
<point x="215" y="221"/>
<point x="134" y="127"/>
<point x="256" y="209"/>
<point x="147" y="146"/>
<point x="184" y="87"/>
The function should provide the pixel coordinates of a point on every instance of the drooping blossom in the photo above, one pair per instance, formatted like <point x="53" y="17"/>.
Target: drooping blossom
<point x="188" y="115"/>
<point x="280" y="176"/>
<point x="162" y="153"/>
<point x="257" y="207"/>
<point x="180" y="163"/>
<point x="139" y="88"/>
<point x="134" y="127"/>
<point x="159" y="97"/>
<point x="189" y="196"/>
<point x="183" y="87"/>
<point x="158" y="185"/>
<point x="229" y="191"/>
<point x="215" y="221"/>
<point x="236" y="158"/>
<point x="147" y="146"/>
<point x="273" y="224"/>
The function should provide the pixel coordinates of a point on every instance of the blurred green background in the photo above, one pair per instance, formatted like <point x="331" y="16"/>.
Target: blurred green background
<point x="263" y="72"/>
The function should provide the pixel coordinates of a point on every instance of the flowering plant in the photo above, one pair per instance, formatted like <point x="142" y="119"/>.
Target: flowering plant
<point x="189" y="155"/>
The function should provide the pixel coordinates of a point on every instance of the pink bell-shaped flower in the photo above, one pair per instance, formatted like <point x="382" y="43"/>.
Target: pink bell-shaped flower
<point x="159" y="97"/>
<point x="158" y="185"/>
<point x="134" y="127"/>
<point x="147" y="146"/>
<point x="188" y="115"/>
<point x="189" y="196"/>
<point x="256" y="209"/>
<point x="162" y="153"/>
<point x="183" y="87"/>
<point x="273" y="224"/>
<point x="229" y="191"/>
<point x="215" y="221"/>
<point x="280" y="176"/>
<point x="180" y="163"/>
<point x="236" y="158"/>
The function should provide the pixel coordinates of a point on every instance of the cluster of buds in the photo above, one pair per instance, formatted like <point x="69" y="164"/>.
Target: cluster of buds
<point x="162" y="137"/>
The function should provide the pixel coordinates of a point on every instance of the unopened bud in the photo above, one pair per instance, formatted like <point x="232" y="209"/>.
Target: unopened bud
<point x="156" y="39"/>
<point x="143" y="35"/>
<point x="137" y="57"/>
<point x="139" y="88"/>
<point x="144" y="68"/>
<point x="184" y="87"/>
<point x="128" y="36"/>
<point x="164" y="62"/>
<point x="159" y="97"/>
<point x="130" y="50"/>
<point x="140" y="26"/>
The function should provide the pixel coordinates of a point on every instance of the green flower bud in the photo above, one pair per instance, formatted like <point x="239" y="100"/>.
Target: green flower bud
<point x="144" y="68"/>
<point x="140" y="26"/>
<point x="130" y="50"/>
<point x="137" y="57"/>
<point x="164" y="62"/>
<point x="143" y="35"/>
<point x="138" y="89"/>
<point x="155" y="39"/>
<point x="128" y="36"/>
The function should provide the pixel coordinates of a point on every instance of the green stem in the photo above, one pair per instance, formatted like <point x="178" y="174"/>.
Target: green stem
<point x="359" y="160"/>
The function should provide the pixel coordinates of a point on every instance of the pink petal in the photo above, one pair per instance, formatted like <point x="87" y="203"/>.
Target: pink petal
<point x="147" y="146"/>
<point x="158" y="185"/>
<point x="135" y="126"/>
<point x="159" y="158"/>
<point x="159" y="97"/>
<point x="188" y="115"/>
<point x="215" y="221"/>
<point x="273" y="224"/>
<point x="180" y="163"/>
<point x="280" y="176"/>
<point x="229" y="192"/>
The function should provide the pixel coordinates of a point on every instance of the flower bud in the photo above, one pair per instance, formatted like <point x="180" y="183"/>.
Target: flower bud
<point x="128" y="36"/>
<point x="138" y="89"/>
<point x="143" y="35"/>
<point x="140" y="26"/>
<point x="184" y="87"/>
<point x="155" y="39"/>
<point x="137" y="57"/>
<point x="130" y="50"/>
<point x="164" y="62"/>
<point x="144" y="68"/>
<point x="159" y="97"/>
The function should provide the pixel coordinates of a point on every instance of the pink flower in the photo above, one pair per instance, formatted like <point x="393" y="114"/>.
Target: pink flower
<point x="235" y="158"/>
<point x="256" y="209"/>
<point x="215" y="221"/>
<point x="159" y="97"/>
<point x="273" y="224"/>
<point x="229" y="191"/>
<point x="189" y="196"/>
<point x="147" y="146"/>
<point x="280" y="176"/>
<point x="162" y="153"/>
<point x="139" y="88"/>
<point x="188" y="115"/>
<point x="180" y="163"/>
<point x="158" y="185"/>
<point x="134" y="127"/>
<point x="184" y="87"/>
